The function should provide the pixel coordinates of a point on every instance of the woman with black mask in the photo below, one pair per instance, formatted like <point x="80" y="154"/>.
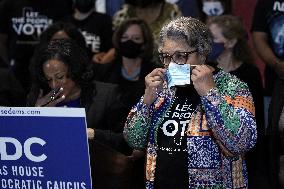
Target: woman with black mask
<point x="133" y="44"/>
<point x="232" y="54"/>
<point x="154" y="12"/>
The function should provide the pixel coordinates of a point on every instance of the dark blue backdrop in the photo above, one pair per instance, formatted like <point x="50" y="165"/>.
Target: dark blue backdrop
<point x="66" y="148"/>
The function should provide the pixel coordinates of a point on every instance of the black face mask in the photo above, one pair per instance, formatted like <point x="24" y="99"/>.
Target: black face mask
<point x="130" y="49"/>
<point x="217" y="50"/>
<point x="84" y="6"/>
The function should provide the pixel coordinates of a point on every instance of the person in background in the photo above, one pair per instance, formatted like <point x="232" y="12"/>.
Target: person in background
<point x="95" y="27"/>
<point x="210" y="8"/>
<point x="110" y="7"/>
<point x="63" y="30"/>
<point x="231" y="52"/>
<point x="62" y="66"/>
<point x="21" y="24"/>
<point x="11" y="92"/>
<point x="188" y="8"/>
<point x="154" y="12"/>
<point x="62" y="78"/>
<point x="133" y="44"/>
<point x="194" y="121"/>
<point x="267" y="32"/>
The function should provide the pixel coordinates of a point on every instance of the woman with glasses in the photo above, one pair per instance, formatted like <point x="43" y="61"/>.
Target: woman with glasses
<point x="195" y="122"/>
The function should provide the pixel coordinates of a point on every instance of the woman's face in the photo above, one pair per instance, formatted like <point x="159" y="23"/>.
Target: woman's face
<point x="218" y="36"/>
<point x="131" y="42"/>
<point x="179" y="52"/>
<point x="212" y="8"/>
<point x="56" y="74"/>
<point x="133" y="33"/>
<point x="60" y="35"/>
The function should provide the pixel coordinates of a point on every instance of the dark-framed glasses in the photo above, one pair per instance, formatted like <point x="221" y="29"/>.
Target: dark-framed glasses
<point x="177" y="57"/>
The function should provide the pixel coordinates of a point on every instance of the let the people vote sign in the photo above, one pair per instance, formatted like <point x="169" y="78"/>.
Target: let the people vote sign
<point x="43" y="148"/>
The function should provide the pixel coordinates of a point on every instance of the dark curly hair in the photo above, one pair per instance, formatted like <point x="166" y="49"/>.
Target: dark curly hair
<point x="73" y="56"/>
<point x="70" y="29"/>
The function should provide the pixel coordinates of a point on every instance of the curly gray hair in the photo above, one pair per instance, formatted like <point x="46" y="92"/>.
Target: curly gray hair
<point x="195" y="33"/>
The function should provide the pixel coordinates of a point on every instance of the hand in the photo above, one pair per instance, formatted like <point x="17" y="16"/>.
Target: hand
<point x="51" y="99"/>
<point x="136" y="154"/>
<point x="90" y="133"/>
<point x="104" y="58"/>
<point x="202" y="79"/>
<point x="154" y="84"/>
<point x="97" y="58"/>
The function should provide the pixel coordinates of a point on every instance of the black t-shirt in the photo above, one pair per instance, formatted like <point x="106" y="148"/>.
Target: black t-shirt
<point x="97" y="30"/>
<point x="269" y="18"/>
<point x="172" y="160"/>
<point x="22" y="21"/>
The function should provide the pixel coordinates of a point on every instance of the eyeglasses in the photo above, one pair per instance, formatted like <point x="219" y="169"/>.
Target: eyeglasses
<point x="177" y="57"/>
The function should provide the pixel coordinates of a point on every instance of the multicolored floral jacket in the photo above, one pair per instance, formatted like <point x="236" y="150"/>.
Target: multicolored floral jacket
<point x="219" y="133"/>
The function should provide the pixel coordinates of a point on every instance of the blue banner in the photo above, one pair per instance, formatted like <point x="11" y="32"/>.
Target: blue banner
<point x="44" y="148"/>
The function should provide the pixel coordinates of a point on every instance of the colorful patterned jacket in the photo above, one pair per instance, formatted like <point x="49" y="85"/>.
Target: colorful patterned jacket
<point x="219" y="133"/>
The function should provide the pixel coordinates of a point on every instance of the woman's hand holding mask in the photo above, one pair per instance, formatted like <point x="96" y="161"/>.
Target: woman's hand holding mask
<point x="202" y="79"/>
<point x="154" y="84"/>
<point x="50" y="99"/>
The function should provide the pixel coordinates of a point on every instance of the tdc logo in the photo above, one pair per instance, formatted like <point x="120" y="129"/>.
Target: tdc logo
<point x="21" y="150"/>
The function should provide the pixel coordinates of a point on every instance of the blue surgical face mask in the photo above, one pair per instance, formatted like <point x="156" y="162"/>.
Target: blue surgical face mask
<point x="217" y="50"/>
<point x="178" y="74"/>
<point x="213" y="8"/>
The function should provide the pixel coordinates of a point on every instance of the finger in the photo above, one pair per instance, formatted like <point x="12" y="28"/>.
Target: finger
<point x="52" y="96"/>
<point x="199" y="68"/>
<point x="157" y="78"/>
<point x="56" y="101"/>
<point x="59" y="93"/>
<point x="155" y="83"/>
<point x="195" y="72"/>
<point x="193" y="78"/>
<point x="157" y="71"/>
<point x="40" y="93"/>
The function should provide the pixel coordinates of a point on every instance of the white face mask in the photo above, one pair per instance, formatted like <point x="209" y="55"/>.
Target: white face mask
<point x="178" y="75"/>
<point x="213" y="8"/>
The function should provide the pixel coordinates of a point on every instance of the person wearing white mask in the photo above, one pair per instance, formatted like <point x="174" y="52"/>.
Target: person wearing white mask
<point x="211" y="8"/>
